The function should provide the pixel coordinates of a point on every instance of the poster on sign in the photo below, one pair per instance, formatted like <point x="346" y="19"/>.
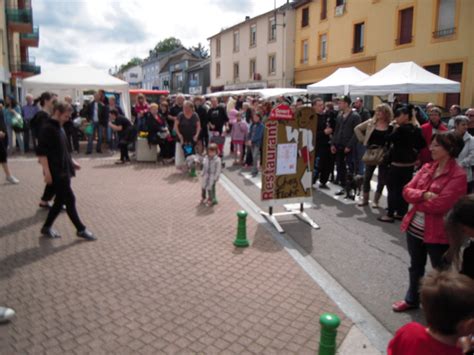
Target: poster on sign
<point x="288" y="156"/>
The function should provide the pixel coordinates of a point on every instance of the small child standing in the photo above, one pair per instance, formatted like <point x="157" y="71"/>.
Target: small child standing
<point x="255" y="140"/>
<point x="238" y="134"/>
<point x="448" y="304"/>
<point x="211" y="170"/>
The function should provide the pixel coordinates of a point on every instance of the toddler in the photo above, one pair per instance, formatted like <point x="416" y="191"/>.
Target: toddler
<point x="211" y="170"/>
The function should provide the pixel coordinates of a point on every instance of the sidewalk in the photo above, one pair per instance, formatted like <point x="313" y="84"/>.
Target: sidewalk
<point x="164" y="276"/>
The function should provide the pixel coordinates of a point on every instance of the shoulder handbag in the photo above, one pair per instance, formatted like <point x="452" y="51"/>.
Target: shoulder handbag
<point x="374" y="155"/>
<point x="17" y="121"/>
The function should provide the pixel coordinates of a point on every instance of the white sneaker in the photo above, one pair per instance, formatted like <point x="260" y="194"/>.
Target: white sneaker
<point x="13" y="180"/>
<point x="6" y="314"/>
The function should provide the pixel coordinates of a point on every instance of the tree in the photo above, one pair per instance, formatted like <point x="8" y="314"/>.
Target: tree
<point x="131" y="63"/>
<point x="167" y="44"/>
<point x="200" y="50"/>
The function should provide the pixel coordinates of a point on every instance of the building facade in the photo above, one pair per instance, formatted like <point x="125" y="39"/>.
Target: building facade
<point x="198" y="78"/>
<point x="17" y="34"/>
<point x="173" y="69"/>
<point x="133" y="76"/>
<point x="371" y="34"/>
<point x="151" y="72"/>
<point x="256" y="53"/>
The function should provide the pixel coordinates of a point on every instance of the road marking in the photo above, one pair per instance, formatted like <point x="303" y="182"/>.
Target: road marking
<point x="378" y="335"/>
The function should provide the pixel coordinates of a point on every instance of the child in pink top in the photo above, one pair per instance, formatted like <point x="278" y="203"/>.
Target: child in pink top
<point x="238" y="134"/>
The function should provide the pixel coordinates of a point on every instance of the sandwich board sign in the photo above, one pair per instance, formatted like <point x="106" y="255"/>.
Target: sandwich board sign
<point x="288" y="160"/>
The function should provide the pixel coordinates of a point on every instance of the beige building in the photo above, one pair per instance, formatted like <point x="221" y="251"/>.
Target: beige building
<point x="17" y="34"/>
<point x="370" y="34"/>
<point x="256" y="53"/>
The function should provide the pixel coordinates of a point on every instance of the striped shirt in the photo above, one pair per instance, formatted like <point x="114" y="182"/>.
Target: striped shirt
<point x="417" y="225"/>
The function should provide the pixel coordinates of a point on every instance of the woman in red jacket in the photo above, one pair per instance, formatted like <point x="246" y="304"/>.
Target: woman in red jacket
<point x="432" y="193"/>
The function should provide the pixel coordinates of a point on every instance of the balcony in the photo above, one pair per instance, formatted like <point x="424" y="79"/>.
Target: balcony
<point x="30" y="39"/>
<point x="24" y="69"/>
<point x="20" y="20"/>
<point x="444" y="32"/>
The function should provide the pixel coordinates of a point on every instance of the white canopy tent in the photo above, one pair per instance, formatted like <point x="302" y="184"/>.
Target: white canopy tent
<point x="338" y="82"/>
<point x="404" y="78"/>
<point x="73" y="80"/>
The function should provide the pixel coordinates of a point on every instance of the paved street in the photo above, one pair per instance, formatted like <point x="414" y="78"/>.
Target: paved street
<point x="163" y="277"/>
<point x="367" y="257"/>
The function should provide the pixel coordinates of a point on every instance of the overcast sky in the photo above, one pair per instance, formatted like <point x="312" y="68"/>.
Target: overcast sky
<point x="105" y="33"/>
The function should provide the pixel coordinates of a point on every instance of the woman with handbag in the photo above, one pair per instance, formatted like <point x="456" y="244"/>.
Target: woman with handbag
<point x="14" y="123"/>
<point x="433" y="191"/>
<point x="3" y="151"/>
<point x="373" y="135"/>
<point x="405" y="143"/>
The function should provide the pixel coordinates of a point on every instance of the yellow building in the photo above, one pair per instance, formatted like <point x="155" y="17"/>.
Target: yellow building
<point x="370" y="34"/>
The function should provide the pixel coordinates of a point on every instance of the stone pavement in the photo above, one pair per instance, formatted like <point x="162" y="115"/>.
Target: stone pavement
<point x="164" y="276"/>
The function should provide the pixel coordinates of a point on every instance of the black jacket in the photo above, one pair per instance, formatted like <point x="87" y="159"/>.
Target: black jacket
<point x="344" y="133"/>
<point x="406" y="142"/>
<point x="52" y="143"/>
<point x="103" y="113"/>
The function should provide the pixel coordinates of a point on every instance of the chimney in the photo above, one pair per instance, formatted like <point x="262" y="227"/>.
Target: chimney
<point x="247" y="18"/>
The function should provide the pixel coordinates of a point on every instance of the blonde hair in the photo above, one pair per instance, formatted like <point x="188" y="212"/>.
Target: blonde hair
<point x="386" y="111"/>
<point x="153" y="105"/>
<point x="189" y="104"/>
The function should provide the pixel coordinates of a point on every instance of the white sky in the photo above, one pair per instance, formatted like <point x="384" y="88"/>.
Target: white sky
<point x="105" y="33"/>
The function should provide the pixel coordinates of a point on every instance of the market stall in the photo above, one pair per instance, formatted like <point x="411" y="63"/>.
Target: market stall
<point x="338" y="82"/>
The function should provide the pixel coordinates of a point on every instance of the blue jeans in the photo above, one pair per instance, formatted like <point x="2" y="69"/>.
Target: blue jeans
<point x="90" y="139"/>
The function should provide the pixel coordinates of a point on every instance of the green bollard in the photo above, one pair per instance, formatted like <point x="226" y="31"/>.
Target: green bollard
<point x="214" y="197"/>
<point x="241" y="238"/>
<point x="327" y="343"/>
<point x="192" y="172"/>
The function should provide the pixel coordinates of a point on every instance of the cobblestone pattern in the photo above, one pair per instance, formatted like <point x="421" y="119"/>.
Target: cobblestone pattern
<point x="164" y="276"/>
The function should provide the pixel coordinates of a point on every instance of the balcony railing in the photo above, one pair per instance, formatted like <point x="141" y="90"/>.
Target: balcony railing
<point x="24" y="68"/>
<point x="19" y="15"/>
<point x="33" y="36"/>
<point x="444" y="32"/>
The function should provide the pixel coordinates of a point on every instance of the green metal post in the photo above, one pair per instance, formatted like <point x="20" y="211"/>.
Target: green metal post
<point x="327" y="343"/>
<point x="241" y="238"/>
<point x="192" y="172"/>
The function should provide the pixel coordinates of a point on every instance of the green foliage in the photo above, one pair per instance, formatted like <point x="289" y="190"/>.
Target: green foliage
<point x="131" y="63"/>
<point x="167" y="44"/>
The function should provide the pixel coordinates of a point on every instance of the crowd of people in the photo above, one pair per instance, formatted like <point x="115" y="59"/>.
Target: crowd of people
<point x="426" y="166"/>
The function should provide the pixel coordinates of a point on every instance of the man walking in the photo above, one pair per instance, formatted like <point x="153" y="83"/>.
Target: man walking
<point x="29" y="111"/>
<point x="58" y="169"/>
<point x="344" y="140"/>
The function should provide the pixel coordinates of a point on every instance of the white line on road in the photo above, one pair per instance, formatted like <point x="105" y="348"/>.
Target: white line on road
<point x="378" y="335"/>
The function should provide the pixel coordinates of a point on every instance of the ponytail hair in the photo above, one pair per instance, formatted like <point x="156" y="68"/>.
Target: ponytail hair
<point x="409" y="110"/>
<point x="45" y="96"/>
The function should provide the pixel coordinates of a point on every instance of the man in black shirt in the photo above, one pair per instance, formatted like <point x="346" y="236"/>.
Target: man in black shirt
<point x="123" y="127"/>
<point x="217" y="117"/>
<point x="58" y="169"/>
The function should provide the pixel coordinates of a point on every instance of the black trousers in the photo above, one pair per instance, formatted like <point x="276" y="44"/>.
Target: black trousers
<point x="343" y="164"/>
<point x="381" y="179"/>
<point x="72" y="135"/>
<point x="48" y="193"/>
<point x="419" y="251"/>
<point x="124" y="151"/>
<point x="397" y="178"/>
<point x="325" y="163"/>
<point x="64" y="196"/>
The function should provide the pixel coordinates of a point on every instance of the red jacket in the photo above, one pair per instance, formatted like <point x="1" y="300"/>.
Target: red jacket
<point x="427" y="132"/>
<point x="450" y="186"/>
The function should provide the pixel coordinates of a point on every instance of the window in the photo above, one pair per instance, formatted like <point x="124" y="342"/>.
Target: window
<point x="272" y="29"/>
<point x="218" y="70"/>
<point x="433" y="69"/>
<point x="324" y="9"/>
<point x="305" y="17"/>
<point x="252" y="68"/>
<point x="236" y="70"/>
<point x="454" y="71"/>
<point x="323" y="47"/>
<point x="358" y="38"/>
<point x="236" y="41"/>
<point x="218" y="47"/>
<point x="446" y="12"/>
<point x="304" y="52"/>
<point x="340" y="2"/>
<point x="272" y="64"/>
<point x="405" y="23"/>
<point x="253" y="35"/>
